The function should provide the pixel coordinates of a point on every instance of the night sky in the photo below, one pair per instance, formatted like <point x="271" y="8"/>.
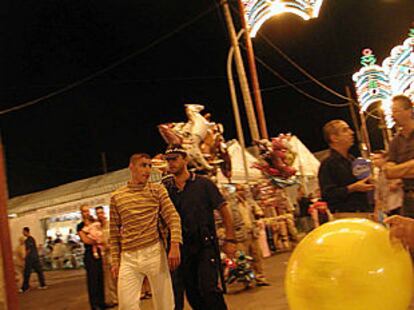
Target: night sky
<point x="53" y="43"/>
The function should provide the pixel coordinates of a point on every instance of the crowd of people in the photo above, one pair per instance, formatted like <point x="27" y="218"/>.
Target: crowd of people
<point x="169" y="237"/>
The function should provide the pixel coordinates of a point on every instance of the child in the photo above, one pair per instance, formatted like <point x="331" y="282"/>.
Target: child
<point x="93" y="230"/>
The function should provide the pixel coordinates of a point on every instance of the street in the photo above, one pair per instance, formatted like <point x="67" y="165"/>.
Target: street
<point x="67" y="291"/>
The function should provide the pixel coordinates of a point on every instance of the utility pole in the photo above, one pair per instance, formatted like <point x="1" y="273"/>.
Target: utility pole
<point x="365" y="145"/>
<point x="351" y="103"/>
<point x="253" y="74"/>
<point x="244" y="85"/>
<point x="104" y="164"/>
<point x="12" y="302"/>
<point x="236" y="112"/>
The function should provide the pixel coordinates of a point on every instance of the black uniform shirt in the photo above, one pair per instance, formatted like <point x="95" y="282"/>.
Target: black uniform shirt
<point x="335" y="174"/>
<point x="195" y="204"/>
<point x="31" y="248"/>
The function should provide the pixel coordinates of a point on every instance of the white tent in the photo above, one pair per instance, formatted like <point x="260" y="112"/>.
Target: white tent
<point x="237" y="166"/>
<point x="306" y="164"/>
<point x="31" y="209"/>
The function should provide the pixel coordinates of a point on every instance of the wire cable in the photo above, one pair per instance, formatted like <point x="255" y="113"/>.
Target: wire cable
<point x="293" y="63"/>
<point x="303" y="71"/>
<point x="307" y="81"/>
<point x="113" y="65"/>
<point x="278" y="75"/>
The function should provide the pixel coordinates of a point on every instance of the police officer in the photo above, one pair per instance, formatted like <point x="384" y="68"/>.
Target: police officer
<point x="195" y="198"/>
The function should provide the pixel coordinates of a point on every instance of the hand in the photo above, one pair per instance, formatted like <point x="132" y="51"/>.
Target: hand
<point x="230" y="249"/>
<point x="394" y="187"/>
<point x="361" y="186"/>
<point x="115" y="271"/>
<point x="402" y="229"/>
<point x="174" y="257"/>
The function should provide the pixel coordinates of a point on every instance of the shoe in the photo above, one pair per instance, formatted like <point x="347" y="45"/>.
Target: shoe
<point x="109" y="306"/>
<point x="263" y="283"/>
<point x="44" y="287"/>
<point x="146" y="295"/>
<point x="21" y="291"/>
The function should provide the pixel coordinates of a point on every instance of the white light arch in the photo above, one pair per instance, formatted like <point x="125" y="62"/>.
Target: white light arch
<point x="259" y="11"/>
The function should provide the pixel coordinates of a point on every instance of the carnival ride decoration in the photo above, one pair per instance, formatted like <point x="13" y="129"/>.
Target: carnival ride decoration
<point x="347" y="264"/>
<point x="259" y="11"/>
<point x="203" y="140"/>
<point x="394" y="77"/>
<point x="276" y="160"/>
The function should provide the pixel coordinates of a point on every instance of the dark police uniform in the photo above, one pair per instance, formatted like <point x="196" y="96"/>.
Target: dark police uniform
<point x="198" y="272"/>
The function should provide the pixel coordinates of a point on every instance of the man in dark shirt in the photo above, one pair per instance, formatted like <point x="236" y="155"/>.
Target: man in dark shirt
<point x="401" y="154"/>
<point x="339" y="187"/>
<point x="31" y="262"/>
<point x="195" y="198"/>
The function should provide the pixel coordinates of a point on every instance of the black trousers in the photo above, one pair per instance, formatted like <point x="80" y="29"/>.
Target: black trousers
<point x="94" y="275"/>
<point x="197" y="276"/>
<point x="32" y="263"/>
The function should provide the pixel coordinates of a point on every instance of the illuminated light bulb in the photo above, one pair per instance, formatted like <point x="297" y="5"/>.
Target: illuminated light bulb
<point x="259" y="11"/>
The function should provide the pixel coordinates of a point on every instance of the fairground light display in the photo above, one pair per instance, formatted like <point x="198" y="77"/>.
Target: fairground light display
<point x="259" y="11"/>
<point x="380" y="83"/>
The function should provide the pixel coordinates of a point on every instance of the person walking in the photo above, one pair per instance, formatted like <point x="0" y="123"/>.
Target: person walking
<point x="31" y="261"/>
<point x="195" y="198"/>
<point x="136" y="248"/>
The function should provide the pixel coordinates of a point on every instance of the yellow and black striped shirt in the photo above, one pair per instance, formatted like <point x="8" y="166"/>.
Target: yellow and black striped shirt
<point x="134" y="216"/>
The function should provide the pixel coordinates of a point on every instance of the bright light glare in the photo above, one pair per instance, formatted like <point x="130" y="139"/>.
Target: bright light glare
<point x="259" y="11"/>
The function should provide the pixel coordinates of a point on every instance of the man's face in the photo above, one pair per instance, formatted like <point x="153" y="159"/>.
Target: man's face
<point x="400" y="115"/>
<point x="176" y="163"/>
<point x="100" y="214"/>
<point x="25" y="233"/>
<point x="344" y="135"/>
<point x="85" y="212"/>
<point x="141" y="170"/>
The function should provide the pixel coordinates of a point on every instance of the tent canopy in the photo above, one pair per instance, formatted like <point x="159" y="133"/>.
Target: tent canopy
<point x="306" y="164"/>
<point x="237" y="167"/>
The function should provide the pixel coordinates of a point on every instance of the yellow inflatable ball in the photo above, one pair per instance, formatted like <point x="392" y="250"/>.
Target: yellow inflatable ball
<point x="349" y="264"/>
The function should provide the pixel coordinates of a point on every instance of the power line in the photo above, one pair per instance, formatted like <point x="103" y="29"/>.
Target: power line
<point x="307" y="81"/>
<point x="113" y="65"/>
<point x="126" y="81"/>
<point x="303" y="71"/>
<point x="278" y="75"/>
<point x="293" y="63"/>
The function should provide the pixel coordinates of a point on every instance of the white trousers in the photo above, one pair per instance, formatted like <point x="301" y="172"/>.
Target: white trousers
<point x="135" y="265"/>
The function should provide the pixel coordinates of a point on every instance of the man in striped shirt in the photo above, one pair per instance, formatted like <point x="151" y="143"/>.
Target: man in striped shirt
<point x="135" y="241"/>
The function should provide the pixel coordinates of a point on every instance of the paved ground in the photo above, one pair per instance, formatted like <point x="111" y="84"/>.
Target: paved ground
<point x="67" y="291"/>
